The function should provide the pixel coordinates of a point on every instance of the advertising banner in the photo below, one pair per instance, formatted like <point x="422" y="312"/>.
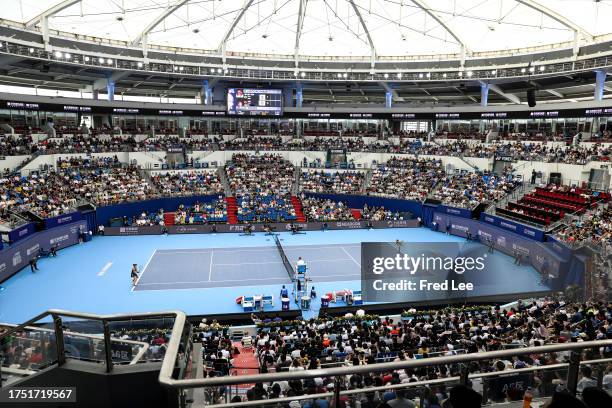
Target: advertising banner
<point x="17" y="256"/>
<point x="512" y="226"/>
<point x="62" y="220"/>
<point x="459" y="212"/>
<point x="276" y="227"/>
<point x="22" y="232"/>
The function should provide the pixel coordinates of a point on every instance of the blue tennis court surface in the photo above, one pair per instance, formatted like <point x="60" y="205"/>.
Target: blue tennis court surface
<point x="95" y="276"/>
<point x="251" y="266"/>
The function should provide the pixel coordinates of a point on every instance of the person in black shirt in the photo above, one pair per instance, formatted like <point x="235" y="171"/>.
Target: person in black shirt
<point x="34" y="264"/>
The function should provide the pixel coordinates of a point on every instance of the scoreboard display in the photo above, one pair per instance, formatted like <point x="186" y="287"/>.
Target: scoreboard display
<point x="254" y="102"/>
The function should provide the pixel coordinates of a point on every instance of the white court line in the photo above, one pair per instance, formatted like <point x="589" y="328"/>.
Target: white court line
<point x="336" y="276"/>
<point x="215" y="281"/>
<point x="248" y="263"/>
<point x="262" y="249"/>
<point x="279" y="262"/>
<point x="211" y="264"/>
<point x="270" y="249"/>
<point x="105" y="268"/>
<point x="330" y="246"/>
<point x="351" y="256"/>
<point x="143" y="270"/>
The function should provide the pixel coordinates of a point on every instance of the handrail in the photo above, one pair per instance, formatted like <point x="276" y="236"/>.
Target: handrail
<point x="408" y="385"/>
<point x="144" y="346"/>
<point x="171" y="352"/>
<point x="165" y="374"/>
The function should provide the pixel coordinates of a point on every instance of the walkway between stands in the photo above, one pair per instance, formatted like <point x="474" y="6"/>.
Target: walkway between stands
<point x="245" y="363"/>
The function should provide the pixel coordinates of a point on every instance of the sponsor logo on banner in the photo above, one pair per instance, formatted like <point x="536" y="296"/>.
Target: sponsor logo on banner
<point x="529" y="232"/>
<point x="129" y="231"/>
<point x="59" y="239"/>
<point x="33" y="249"/>
<point x="23" y="232"/>
<point x="484" y="234"/>
<point x="16" y="258"/>
<point x="188" y="229"/>
<point x="64" y="220"/>
<point x="460" y="227"/>
<point x="2" y="266"/>
<point x="348" y="224"/>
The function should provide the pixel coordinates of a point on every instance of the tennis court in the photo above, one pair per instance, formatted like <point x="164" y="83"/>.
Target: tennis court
<point x="169" y="269"/>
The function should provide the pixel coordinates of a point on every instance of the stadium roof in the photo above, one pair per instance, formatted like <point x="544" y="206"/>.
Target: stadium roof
<point x="327" y="28"/>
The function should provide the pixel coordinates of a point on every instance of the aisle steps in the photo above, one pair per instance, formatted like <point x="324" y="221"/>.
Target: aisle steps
<point x="232" y="210"/>
<point x="297" y="206"/>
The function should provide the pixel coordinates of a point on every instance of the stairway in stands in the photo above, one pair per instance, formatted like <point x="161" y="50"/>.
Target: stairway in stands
<point x="356" y="213"/>
<point x="232" y="210"/>
<point x="297" y="206"/>
<point x="245" y="363"/>
<point x="168" y="218"/>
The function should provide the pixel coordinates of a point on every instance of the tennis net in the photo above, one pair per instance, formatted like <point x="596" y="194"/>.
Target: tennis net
<point x="284" y="258"/>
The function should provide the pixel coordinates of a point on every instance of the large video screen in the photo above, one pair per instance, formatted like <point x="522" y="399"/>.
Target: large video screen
<point x="254" y="102"/>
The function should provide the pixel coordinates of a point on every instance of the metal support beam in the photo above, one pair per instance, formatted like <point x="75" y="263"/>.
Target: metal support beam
<point x="365" y="28"/>
<point x="59" y="340"/>
<point x="484" y="94"/>
<point x="171" y="8"/>
<point x="511" y="97"/>
<point x="299" y="95"/>
<point x="556" y="16"/>
<point x="298" y="31"/>
<point x="600" y="81"/>
<point x="555" y="93"/>
<point x="423" y="6"/>
<point x="110" y="88"/>
<point x="206" y="93"/>
<point x="50" y="12"/>
<point x="388" y="99"/>
<point x="108" y="349"/>
<point x="230" y="30"/>
<point x="396" y="97"/>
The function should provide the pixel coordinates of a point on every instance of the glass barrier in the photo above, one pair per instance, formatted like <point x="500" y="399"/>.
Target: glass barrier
<point x="26" y="352"/>
<point x="426" y="381"/>
<point x="27" y="348"/>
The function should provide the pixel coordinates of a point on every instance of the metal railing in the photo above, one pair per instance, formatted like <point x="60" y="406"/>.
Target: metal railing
<point x="166" y="379"/>
<point x="59" y="331"/>
<point x="172" y="378"/>
<point x="143" y="346"/>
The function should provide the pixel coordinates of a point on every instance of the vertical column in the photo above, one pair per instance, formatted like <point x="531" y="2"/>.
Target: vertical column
<point x="299" y="97"/>
<point x="110" y="88"/>
<point x="600" y="80"/>
<point x="388" y="99"/>
<point x="206" y="93"/>
<point x="484" y="94"/>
